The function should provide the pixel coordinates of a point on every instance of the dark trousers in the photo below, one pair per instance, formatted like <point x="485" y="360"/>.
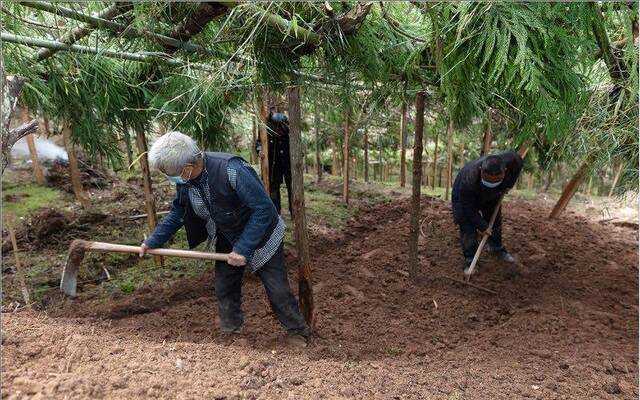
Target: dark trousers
<point x="273" y="275"/>
<point x="280" y="172"/>
<point x="469" y="234"/>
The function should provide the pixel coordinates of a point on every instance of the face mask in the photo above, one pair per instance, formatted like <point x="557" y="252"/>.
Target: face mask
<point x="176" y="179"/>
<point x="491" y="184"/>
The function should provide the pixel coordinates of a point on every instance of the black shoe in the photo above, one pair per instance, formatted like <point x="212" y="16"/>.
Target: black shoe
<point x="504" y="255"/>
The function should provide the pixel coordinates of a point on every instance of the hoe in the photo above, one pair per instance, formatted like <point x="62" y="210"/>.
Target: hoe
<point x="78" y="248"/>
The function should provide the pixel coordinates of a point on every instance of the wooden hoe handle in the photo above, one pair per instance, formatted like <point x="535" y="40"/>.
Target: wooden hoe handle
<point x="122" y="248"/>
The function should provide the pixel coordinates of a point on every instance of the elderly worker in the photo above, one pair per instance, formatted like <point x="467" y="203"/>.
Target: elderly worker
<point x="219" y="196"/>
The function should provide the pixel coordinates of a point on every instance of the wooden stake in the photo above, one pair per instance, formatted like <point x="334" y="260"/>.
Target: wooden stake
<point x="414" y="225"/>
<point x="449" y="158"/>
<point x="403" y="144"/>
<point x="19" y="271"/>
<point x="264" y="139"/>
<point x="345" y="155"/>
<point x="150" y="203"/>
<point x="305" y="288"/>
<point x="74" y="171"/>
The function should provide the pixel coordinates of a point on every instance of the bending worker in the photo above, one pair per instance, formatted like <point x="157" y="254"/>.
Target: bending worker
<point x="219" y="196"/>
<point x="279" y="158"/>
<point x="477" y="191"/>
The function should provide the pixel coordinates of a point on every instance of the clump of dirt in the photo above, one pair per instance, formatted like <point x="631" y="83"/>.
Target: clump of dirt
<point x="52" y="225"/>
<point x="564" y="322"/>
<point x="92" y="177"/>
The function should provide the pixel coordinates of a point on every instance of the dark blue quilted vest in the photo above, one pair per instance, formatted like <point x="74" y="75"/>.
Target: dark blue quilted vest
<point x="227" y="211"/>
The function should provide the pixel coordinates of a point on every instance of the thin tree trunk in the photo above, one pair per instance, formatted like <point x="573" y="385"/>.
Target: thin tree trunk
<point x="380" y="157"/>
<point x="334" y="157"/>
<point x="35" y="164"/>
<point x="449" y="158"/>
<point x="127" y="144"/>
<point x="547" y="185"/>
<point x="149" y="198"/>
<point x="33" y="153"/>
<point x="530" y="182"/>
<point x="345" y="156"/>
<point x="366" y="155"/>
<point x="264" y="139"/>
<point x="461" y="160"/>
<point x="440" y="171"/>
<point x="569" y="190"/>
<point x="414" y="228"/>
<point x="435" y="159"/>
<point x="316" y="121"/>
<point x="403" y="144"/>
<point x="590" y="186"/>
<point x="254" y="138"/>
<point x="615" y="179"/>
<point x="487" y="137"/>
<point x="74" y="171"/>
<point x="305" y="288"/>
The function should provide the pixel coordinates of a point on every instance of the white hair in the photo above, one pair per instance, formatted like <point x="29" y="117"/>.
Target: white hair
<point x="172" y="151"/>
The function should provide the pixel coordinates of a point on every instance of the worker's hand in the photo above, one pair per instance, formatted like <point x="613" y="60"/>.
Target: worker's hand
<point x="236" y="259"/>
<point x="486" y="232"/>
<point x="143" y="249"/>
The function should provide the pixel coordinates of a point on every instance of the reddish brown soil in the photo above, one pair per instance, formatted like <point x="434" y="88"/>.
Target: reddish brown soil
<point x="564" y="324"/>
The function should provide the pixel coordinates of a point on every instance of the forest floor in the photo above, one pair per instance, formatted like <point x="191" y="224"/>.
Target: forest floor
<point x="563" y="324"/>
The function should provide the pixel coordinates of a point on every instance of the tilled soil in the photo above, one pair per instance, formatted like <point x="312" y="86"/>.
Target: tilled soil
<point x="563" y="325"/>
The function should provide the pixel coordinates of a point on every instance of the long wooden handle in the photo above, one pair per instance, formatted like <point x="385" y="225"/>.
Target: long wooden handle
<point x="476" y="257"/>
<point x="122" y="248"/>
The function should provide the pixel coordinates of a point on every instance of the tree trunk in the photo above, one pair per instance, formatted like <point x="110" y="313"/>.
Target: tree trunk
<point x="435" y="159"/>
<point x="264" y="139"/>
<point x="35" y="164"/>
<point x="449" y="158"/>
<point x="127" y="144"/>
<point x="487" y="137"/>
<point x="569" y="190"/>
<point x="530" y="183"/>
<point x="316" y="122"/>
<point x="149" y="198"/>
<point x="461" y="160"/>
<point x="403" y="144"/>
<point x="334" y="157"/>
<point x="440" y="171"/>
<point x="615" y="179"/>
<point x="305" y="288"/>
<point x="590" y="186"/>
<point x="366" y="155"/>
<point x="74" y="171"/>
<point x="345" y="156"/>
<point x="254" y="138"/>
<point x="380" y="157"/>
<point x="414" y="228"/>
<point x="11" y="89"/>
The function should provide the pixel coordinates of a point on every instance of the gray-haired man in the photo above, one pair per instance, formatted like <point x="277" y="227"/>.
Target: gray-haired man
<point x="219" y="196"/>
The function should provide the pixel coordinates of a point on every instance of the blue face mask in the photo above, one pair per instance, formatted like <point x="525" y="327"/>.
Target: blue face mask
<point x="491" y="184"/>
<point x="176" y="179"/>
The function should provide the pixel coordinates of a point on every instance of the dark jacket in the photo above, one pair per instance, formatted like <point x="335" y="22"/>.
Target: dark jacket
<point x="278" y="135"/>
<point x="469" y="195"/>
<point x="244" y="215"/>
